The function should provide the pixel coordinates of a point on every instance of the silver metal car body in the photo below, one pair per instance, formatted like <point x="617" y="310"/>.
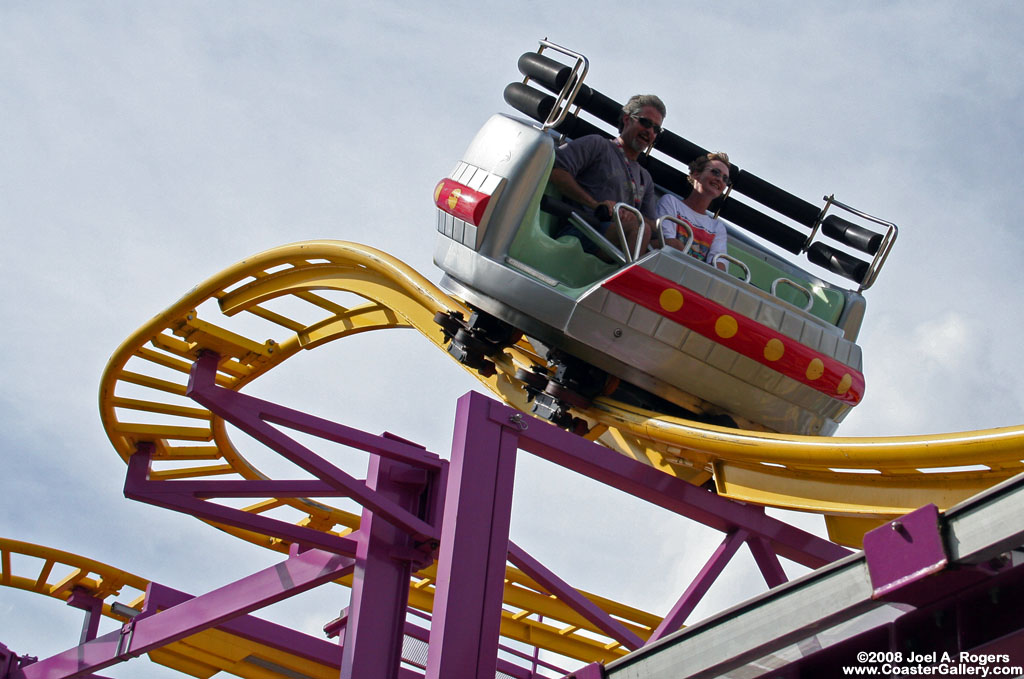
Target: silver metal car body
<point x="510" y="266"/>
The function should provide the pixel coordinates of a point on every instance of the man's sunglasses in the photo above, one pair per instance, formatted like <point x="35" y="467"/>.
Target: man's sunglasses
<point x="647" y="123"/>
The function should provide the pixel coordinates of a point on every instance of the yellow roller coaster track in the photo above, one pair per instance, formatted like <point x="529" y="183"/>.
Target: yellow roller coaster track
<point x="307" y="294"/>
<point x="142" y="399"/>
<point x="855" y="482"/>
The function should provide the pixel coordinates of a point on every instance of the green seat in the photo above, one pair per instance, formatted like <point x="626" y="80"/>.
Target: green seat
<point x="828" y="302"/>
<point x="560" y="258"/>
<point x="564" y="260"/>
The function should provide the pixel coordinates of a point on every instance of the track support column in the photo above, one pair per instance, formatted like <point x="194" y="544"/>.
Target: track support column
<point x="372" y="641"/>
<point x="9" y="664"/>
<point x="93" y="608"/>
<point x="474" y="545"/>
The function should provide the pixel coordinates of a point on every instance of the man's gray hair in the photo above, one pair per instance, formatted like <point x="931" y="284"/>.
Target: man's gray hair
<point x="637" y="102"/>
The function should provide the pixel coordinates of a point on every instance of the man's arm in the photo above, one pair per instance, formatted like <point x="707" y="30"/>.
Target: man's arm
<point x="571" y="189"/>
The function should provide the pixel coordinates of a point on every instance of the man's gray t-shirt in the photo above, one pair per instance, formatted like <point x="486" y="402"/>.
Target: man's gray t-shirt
<point x="600" y="167"/>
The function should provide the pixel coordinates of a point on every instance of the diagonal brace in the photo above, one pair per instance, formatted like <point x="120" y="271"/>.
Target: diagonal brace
<point x="253" y="416"/>
<point x="296" y="574"/>
<point x="565" y="592"/>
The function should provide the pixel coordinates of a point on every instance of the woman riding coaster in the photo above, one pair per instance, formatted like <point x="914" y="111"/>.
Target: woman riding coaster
<point x="709" y="175"/>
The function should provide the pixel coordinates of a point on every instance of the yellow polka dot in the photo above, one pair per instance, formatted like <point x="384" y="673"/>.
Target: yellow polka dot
<point x="437" y="191"/>
<point x="453" y="198"/>
<point x="844" y="384"/>
<point x="671" y="300"/>
<point x="774" y="349"/>
<point x="726" y="326"/>
<point x="816" y="369"/>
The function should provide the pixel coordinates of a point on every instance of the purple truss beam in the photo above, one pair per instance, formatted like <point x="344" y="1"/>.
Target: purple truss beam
<point x="474" y="536"/>
<point x="700" y="585"/>
<point x="487" y="435"/>
<point x="504" y="666"/>
<point x="654" y="486"/>
<point x="295" y="575"/>
<point x="474" y="546"/>
<point x="160" y="597"/>
<point x="767" y="562"/>
<point x="185" y="498"/>
<point x="416" y="632"/>
<point x="584" y="606"/>
<point x="255" y="416"/>
<point x="372" y="645"/>
<point x="413" y="502"/>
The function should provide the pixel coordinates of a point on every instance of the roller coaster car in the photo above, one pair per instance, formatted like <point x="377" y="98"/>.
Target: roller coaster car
<point x="766" y="345"/>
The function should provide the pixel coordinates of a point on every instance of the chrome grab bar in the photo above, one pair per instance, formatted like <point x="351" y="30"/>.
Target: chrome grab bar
<point x="678" y="222"/>
<point x="732" y="260"/>
<point x="632" y="254"/>
<point x="786" y="281"/>
<point x="661" y="235"/>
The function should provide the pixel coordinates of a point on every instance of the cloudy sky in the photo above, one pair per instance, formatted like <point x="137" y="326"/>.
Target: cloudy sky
<point x="145" y="146"/>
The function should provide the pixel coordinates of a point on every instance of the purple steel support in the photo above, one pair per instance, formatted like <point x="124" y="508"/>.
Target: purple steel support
<point x="9" y="661"/>
<point x="372" y="645"/>
<point x="160" y="597"/>
<point x="141" y="635"/>
<point x="566" y="593"/>
<point x="401" y="527"/>
<point x="700" y="585"/>
<point x="903" y="552"/>
<point x="93" y="607"/>
<point x="614" y="469"/>
<point x="255" y="417"/>
<point x="767" y="562"/>
<point x="11" y="664"/>
<point x="474" y="545"/>
<point x="469" y="569"/>
<point x="184" y="496"/>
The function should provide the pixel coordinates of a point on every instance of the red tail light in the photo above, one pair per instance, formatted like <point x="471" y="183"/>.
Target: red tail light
<point x="461" y="201"/>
